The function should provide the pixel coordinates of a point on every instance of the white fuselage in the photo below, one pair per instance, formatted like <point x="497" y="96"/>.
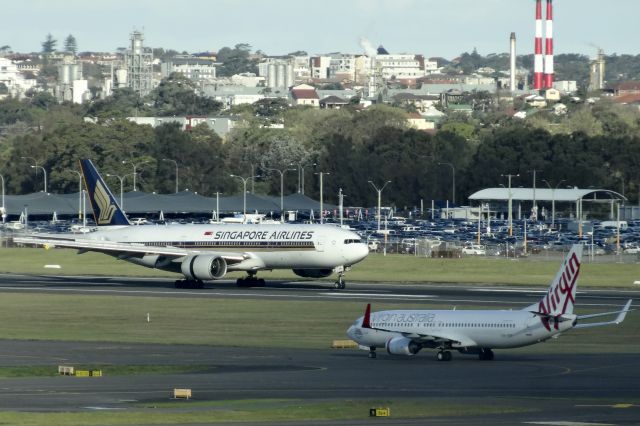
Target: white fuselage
<point x="270" y="246"/>
<point x="466" y="329"/>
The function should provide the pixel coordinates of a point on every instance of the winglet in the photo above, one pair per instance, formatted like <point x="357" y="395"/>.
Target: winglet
<point x="366" y="320"/>
<point x="623" y="313"/>
<point x="106" y="210"/>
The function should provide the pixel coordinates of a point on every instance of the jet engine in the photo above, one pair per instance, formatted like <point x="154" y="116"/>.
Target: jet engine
<point x="313" y="273"/>
<point x="402" y="346"/>
<point x="204" y="267"/>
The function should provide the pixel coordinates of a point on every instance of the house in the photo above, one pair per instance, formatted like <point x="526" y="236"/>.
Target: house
<point x="536" y="101"/>
<point x="418" y="122"/>
<point x="625" y="88"/>
<point x="552" y="95"/>
<point x="333" y="102"/>
<point x="304" y="94"/>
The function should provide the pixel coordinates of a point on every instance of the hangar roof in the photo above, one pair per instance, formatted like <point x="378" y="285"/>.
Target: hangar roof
<point x="546" y="194"/>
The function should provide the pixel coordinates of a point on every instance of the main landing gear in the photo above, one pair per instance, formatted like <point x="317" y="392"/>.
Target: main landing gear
<point x="189" y="284"/>
<point x="485" y="355"/>
<point x="444" y="355"/>
<point x="250" y="281"/>
<point x="372" y="352"/>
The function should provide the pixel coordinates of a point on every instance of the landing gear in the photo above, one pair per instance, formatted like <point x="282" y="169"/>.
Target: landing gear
<point x="485" y="355"/>
<point x="372" y="352"/>
<point x="189" y="284"/>
<point x="444" y="356"/>
<point x="340" y="282"/>
<point x="250" y="281"/>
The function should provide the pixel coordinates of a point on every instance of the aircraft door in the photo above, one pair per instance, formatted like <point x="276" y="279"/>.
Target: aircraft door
<point x="320" y="243"/>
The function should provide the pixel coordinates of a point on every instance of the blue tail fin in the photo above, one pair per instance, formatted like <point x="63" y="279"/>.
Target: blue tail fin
<point x="106" y="210"/>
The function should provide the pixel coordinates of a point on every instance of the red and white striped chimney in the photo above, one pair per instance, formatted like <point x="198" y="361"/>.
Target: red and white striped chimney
<point x="537" y="58"/>
<point x="548" y="58"/>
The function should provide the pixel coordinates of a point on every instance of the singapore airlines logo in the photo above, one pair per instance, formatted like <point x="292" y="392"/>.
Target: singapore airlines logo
<point x="107" y="210"/>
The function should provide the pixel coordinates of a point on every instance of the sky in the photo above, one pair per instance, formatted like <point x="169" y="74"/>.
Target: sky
<point x="434" y="28"/>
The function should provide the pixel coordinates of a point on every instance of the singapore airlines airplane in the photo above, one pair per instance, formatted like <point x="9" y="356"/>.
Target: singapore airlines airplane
<point x="477" y="332"/>
<point x="208" y="252"/>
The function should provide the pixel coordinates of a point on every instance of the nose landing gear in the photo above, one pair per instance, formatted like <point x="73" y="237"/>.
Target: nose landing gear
<point x="340" y="282"/>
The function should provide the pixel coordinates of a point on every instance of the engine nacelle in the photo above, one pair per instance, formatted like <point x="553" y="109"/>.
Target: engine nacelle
<point x="204" y="267"/>
<point x="313" y="273"/>
<point x="402" y="346"/>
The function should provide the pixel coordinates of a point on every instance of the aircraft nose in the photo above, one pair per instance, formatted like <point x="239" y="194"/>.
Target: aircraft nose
<point x="350" y="333"/>
<point x="358" y="252"/>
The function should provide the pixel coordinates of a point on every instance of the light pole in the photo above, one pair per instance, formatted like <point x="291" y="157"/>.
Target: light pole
<point x="218" y="206"/>
<point x="534" y="207"/>
<point x="244" y="194"/>
<point x="135" y="166"/>
<point x="79" y="193"/>
<point x="379" y="198"/>
<point x="509" y="176"/>
<point x="453" y="178"/>
<point x="4" y="212"/>
<point x="553" y="201"/>
<point x="176" y="163"/>
<point x="45" y="176"/>
<point x="301" y="175"/>
<point x="121" y="186"/>
<point x="282" y="172"/>
<point x="36" y="167"/>
<point x="321" y="196"/>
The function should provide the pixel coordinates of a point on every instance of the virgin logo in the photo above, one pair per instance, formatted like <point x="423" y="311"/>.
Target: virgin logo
<point x="561" y="295"/>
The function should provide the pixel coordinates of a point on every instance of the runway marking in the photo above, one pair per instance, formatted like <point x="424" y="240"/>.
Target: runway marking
<point x="609" y="405"/>
<point x="410" y="296"/>
<point x="104" y="408"/>
<point x="568" y="423"/>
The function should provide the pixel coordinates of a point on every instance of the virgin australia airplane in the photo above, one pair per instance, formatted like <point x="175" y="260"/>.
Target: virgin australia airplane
<point x="478" y="332"/>
<point x="208" y="252"/>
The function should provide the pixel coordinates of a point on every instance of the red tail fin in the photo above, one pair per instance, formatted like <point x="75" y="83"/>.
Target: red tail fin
<point x="366" y="321"/>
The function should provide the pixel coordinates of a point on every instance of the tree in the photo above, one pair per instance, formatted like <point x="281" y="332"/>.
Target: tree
<point x="236" y="60"/>
<point x="49" y="44"/>
<point x="176" y="95"/>
<point x="71" y="45"/>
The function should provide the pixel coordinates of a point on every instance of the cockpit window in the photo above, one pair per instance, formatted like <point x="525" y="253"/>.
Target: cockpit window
<point x="353" y="241"/>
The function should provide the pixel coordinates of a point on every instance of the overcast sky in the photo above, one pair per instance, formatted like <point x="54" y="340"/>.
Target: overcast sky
<point x="431" y="27"/>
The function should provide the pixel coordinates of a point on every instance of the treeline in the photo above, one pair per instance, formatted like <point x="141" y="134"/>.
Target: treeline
<point x="567" y="66"/>
<point x="595" y="146"/>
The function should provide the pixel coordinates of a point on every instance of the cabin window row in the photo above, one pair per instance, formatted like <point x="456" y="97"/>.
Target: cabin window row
<point x="453" y="324"/>
<point x="267" y="244"/>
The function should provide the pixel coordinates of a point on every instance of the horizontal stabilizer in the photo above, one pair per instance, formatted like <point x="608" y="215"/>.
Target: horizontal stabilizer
<point x="621" y="316"/>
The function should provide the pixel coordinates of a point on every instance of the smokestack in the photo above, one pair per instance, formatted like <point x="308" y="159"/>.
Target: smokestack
<point x="512" y="50"/>
<point x="537" y="59"/>
<point x="548" y="59"/>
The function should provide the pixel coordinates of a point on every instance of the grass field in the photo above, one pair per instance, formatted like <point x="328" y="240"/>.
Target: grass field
<point x="375" y="268"/>
<point x="229" y="322"/>
<point x="256" y="411"/>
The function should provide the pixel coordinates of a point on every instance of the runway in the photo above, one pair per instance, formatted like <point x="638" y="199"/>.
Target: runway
<point x="541" y="387"/>
<point x="454" y="294"/>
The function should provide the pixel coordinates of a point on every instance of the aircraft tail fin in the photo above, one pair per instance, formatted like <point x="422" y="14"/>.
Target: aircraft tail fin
<point x="106" y="210"/>
<point x="366" y="320"/>
<point x="561" y="296"/>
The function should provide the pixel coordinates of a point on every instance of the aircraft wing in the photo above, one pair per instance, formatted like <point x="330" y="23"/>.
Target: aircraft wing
<point x="124" y="249"/>
<point x="456" y="339"/>
<point x="621" y="315"/>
